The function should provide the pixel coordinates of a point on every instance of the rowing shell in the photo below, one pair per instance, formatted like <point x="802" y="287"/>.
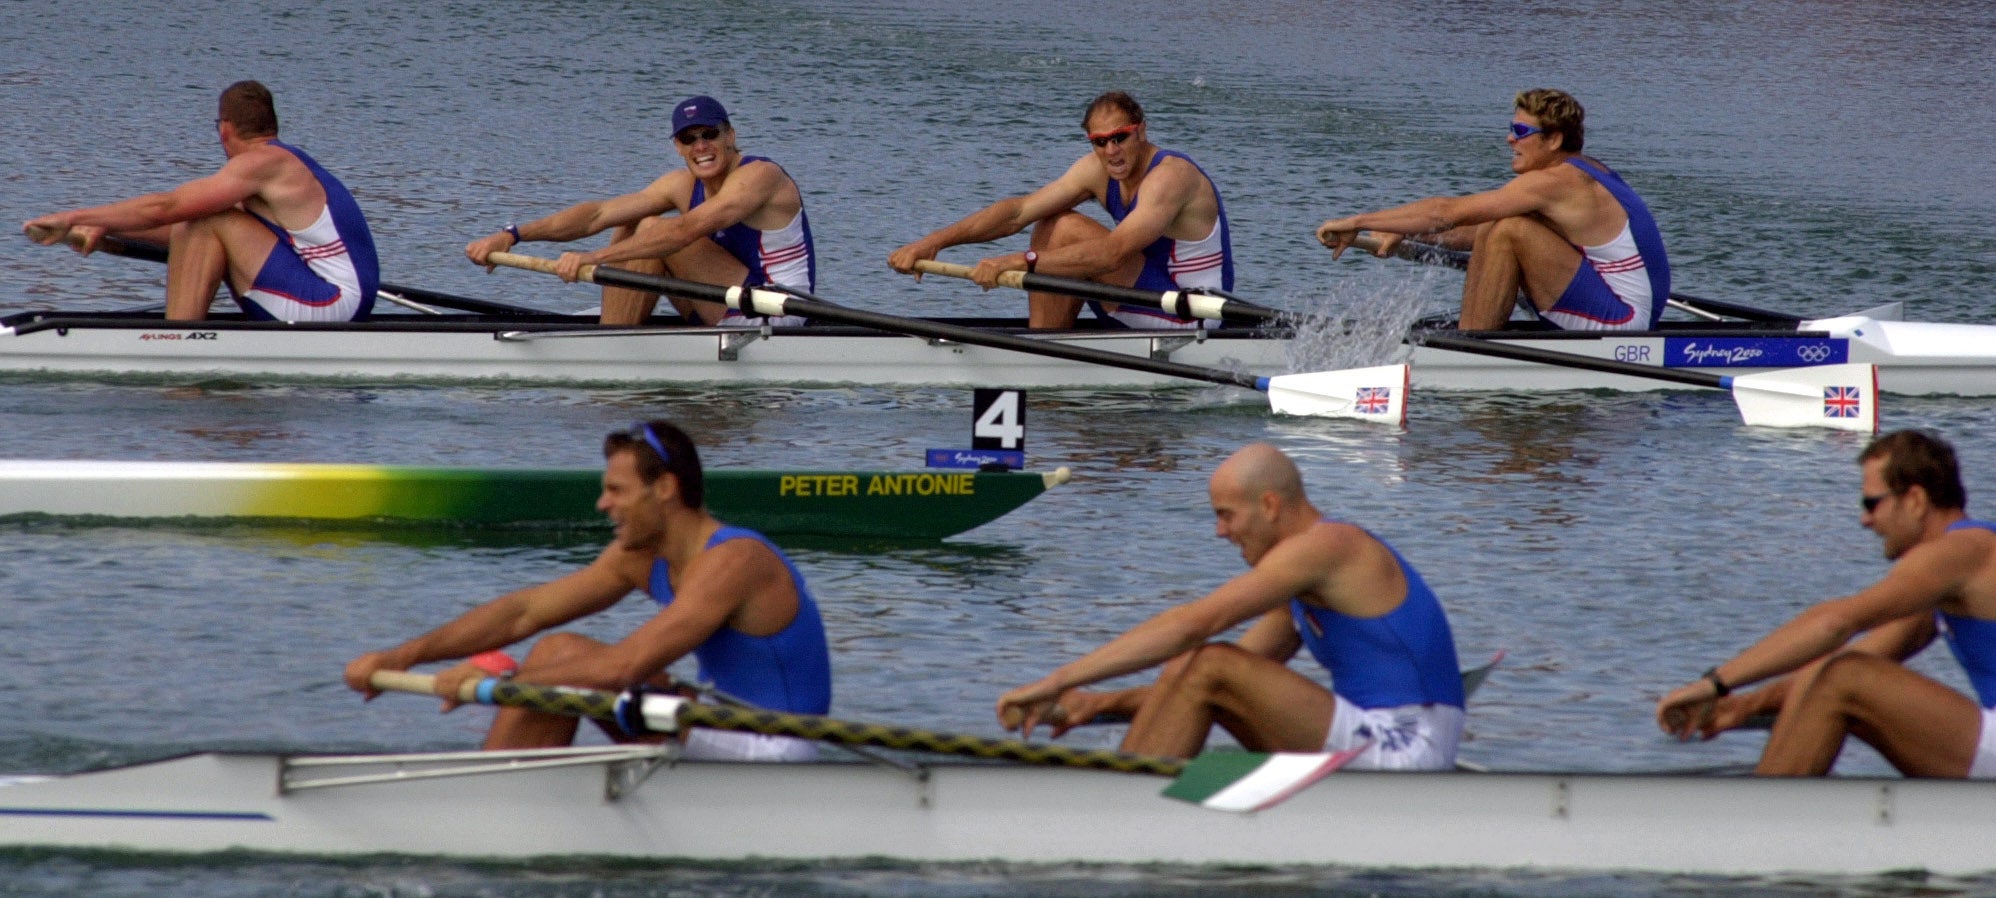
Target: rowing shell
<point x="623" y="801"/>
<point x="576" y="350"/>
<point x="858" y="504"/>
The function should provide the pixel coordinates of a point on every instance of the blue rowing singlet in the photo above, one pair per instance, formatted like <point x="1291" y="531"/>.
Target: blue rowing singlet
<point x="1176" y="264"/>
<point x="1973" y="640"/>
<point x="327" y="271"/>
<point x="1633" y="271"/>
<point x="1403" y="657"/>
<point x="789" y="670"/>
<point x="785" y="256"/>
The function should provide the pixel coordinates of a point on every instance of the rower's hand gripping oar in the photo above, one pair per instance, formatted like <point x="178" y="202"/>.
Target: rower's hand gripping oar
<point x="1182" y="303"/>
<point x="1370" y="394"/>
<point x="1232" y="781"/>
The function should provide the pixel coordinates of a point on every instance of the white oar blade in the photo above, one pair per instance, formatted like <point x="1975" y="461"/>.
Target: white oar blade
<point x="1369" y="394"/>
<point x="1841" y="397"/>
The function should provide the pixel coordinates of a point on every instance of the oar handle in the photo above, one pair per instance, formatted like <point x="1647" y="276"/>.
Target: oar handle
<point x="1014" y="279"/>
<point x="117" y="246"/>
<point x="421" y="684"/>
<point x="1183" y="303"/>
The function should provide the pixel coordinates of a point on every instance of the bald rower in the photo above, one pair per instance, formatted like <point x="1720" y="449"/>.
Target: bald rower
<point x="1364" y="613"/>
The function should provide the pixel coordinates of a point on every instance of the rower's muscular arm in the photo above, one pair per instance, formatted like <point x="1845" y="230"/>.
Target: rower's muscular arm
<point x="1448" y="217"/>
<point x="1898" y="640"/>
<point x="1264" y="589"/>
<point x="1923" y="577"/>
<point x="239" y="179"/>
<point x="502" y="621"/>
<point x="1167" y="190"/>
<point x="713" y="592"/>
<point x="750" y="188"/>
<point x="581" y="220"/>
<point x="1001" y="219"/>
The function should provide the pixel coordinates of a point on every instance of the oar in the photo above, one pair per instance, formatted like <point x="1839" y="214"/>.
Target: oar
<point x="1182" y="303"/>
<point x="1222" y="780"/>
<point x="153" y="252"/>
<point x="1841" y="397"/>
<point x="1372" y="394"/>
<point x="1430" y="254"/>
<point x="1472" y="680"/>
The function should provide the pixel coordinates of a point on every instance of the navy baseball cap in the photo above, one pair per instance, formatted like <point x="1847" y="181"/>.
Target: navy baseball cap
<point x="694" y="111"/>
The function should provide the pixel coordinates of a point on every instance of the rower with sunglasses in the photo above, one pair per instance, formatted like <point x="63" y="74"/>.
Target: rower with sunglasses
<point x="1170" y="233"/>
<point x="726" y="595"/>
<point x="740" y="222"/>
<point x="1567" y="230"/>
<point x="1844" y="657"/>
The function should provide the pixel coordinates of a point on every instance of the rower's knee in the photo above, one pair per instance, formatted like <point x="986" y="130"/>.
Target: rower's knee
<point x="1206" y="666"/>
<point x="1847" y="675"/>
<point x="559" y="648"/>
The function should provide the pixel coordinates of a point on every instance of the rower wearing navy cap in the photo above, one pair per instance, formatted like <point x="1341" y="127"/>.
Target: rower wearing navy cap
<point x="725" y="595"/>
<point x="740" y="222"/>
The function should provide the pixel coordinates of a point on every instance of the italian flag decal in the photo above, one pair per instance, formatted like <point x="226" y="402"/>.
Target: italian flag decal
<point x="1243" y="781"/>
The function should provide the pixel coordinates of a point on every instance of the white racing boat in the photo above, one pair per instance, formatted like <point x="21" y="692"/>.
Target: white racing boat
<point x="575" y="349"/>
<point x="632" y="802"/>
<point x="640" y="801"/>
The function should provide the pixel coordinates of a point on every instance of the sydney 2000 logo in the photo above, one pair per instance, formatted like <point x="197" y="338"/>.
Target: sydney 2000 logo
<point x="1753" y="352"/>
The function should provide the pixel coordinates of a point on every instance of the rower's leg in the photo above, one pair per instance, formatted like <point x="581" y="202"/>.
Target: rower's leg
<point x="1512" y="254"/>
<point x="1264" y="704"/>
<point x="704" y="261"/>
<point x="203" y="251"/>
<point x="624" y="306"/>
<point x="1922" y="727"/>
<point x="1055" y="310"/>
<point x="521" y="728"/>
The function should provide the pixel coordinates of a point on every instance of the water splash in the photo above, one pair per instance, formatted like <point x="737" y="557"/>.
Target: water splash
<point x="1359" y="322"/>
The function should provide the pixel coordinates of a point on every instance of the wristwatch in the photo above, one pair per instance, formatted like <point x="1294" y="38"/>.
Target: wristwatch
<point x="1032" y="261"/>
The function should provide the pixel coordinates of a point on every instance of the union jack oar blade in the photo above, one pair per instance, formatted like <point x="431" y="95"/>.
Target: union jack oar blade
<point x="1245" y="781"/>
<point x="1840" y="397"/>
<point x="1369" y="394"/>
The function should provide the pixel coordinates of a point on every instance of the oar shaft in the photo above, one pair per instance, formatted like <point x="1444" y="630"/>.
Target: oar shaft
<point x="1181" y="303"/>
<point x="601" y="705"/>
<point x="770" y="302"/>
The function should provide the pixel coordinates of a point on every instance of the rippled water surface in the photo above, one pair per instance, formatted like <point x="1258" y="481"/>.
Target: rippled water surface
<point x="1811" y="156"/>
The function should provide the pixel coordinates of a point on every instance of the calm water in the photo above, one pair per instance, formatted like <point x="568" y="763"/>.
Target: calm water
<point x="1813" y="156"/>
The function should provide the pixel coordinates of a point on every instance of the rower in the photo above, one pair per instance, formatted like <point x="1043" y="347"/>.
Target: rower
<point x="726" y="595"/>
<point x="280" y="230"/>
<point x="1567" y="230"/>
<point x="1172" y="237"/>
<point x="1363" y="611"/>
<point x="740" y="222"/>
<point x="1840" y="683"/>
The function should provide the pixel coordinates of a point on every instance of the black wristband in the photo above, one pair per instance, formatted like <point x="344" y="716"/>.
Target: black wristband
<point x="515" y="231"/>
<point x="1032" y="261"/>
<point x="1719" y="687"/>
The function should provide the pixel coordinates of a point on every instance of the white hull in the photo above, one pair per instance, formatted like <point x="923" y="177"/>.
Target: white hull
<point x="1913" y="358"/>
<point x="967" y="812"/>
<point x="584" y="353"/>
